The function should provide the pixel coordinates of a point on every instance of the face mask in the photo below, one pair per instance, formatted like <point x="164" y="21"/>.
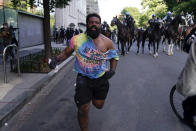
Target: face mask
<point x="93" y="33"/>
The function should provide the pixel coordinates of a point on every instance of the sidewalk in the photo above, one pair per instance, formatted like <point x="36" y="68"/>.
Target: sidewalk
<point x="19" y="90"/>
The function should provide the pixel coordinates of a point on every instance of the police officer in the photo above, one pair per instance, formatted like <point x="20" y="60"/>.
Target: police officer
<point x="168" y="18"/>
<point x="189" y="19"/>
<point x="128" y="18"/>
<point x="151" y="21"/>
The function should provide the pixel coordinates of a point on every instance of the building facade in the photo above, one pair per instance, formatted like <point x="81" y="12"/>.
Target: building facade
<point x="74" y="13"/>
<point x="92" y="6"/>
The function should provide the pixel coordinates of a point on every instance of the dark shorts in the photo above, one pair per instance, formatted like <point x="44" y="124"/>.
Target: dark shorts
<point x="88" y="89"/>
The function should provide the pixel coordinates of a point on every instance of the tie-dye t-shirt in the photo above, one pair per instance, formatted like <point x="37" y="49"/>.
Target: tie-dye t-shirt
<point x="90" y="61"/>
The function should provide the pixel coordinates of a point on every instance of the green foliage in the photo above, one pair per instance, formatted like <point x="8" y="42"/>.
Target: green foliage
<point x="36" y="63"/>
<point x="150" y="7"/>
<point x="143" y="21"/>
<point x="58" y="4"/>
<point x="39" y="12"/>
<point x="170" y="4"/>
<point x="15" y="3"/>
<point x="52" y="21"/>
<point x="157" y="7"/>
<point x="182" y="6"/>
<point x="151" y="4"/>
<point x="48" y="6"/>
<point x="134" y="12"/>
<point x="23" y="4"/>
<point x="113" y="28"/>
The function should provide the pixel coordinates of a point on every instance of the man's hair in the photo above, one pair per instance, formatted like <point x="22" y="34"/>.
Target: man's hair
<point x="92" y="15"/>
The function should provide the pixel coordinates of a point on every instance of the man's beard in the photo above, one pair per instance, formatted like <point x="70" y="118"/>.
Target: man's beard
<point x="93" y="33"/>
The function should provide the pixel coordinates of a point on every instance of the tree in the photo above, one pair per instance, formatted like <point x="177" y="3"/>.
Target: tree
<point x="134" y="12"/>
<point x="157" y="7"/>
<point x="186" y="6"/>
<point x="171" y="3"/>
<point x="49" y="6"/>
<point x="143" y="21"/>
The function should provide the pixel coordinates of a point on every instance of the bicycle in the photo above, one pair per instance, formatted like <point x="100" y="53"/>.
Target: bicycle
<point x="176" y="103"/>
<point x="176" y="98"/>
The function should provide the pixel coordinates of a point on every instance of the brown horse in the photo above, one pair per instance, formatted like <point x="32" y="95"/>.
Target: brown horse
<point x="189" y="30"/>
<point x="171" y="32"/>
<point x="130" y="25"/>
<point x="139" y="34"/>
<point x="155" y="36"/>
<point x="123" y="34"/>
<point x="183" y="31"/>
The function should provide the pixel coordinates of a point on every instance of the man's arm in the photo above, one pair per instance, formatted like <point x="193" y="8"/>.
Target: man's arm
<point x="65" y="54"/>
<point x="61" y="57"/>
<point x="113" y="62"/>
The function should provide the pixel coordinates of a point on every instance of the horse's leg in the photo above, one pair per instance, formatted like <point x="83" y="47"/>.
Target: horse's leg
<point x="126" y="46"/>
<point x="181" y="44"/>
<point x="149" y="44"/>
<point x="131" y="42"/>
<point x="172" y="48"/>
<point x="169" y="46"/>
<point x="143" y="43"/>
<point x="122" y="47"/>
<point x="138" y="46"/>
<point x="154" y="48"/>
<point x="157" y="48"/>
<point x="164" y="43"/>
<point x="178" y="44"/>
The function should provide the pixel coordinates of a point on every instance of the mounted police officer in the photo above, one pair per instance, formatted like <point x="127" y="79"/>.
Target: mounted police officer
<point x="105" y="25"/>
<point x="189" y="19"/>
<point x="168" y="18"/>
<point x="151" y="23"/>
<point x="128" y="19"/>
<point x="129" y="22"/>
<point x="105" y="29"/>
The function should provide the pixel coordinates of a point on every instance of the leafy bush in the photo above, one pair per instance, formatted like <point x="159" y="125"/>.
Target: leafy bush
<point x="36" y="62"/>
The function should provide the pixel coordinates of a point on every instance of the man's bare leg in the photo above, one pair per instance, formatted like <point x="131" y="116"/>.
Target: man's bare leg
<point x="98" y="103"/>
<point x="83" y="116"/>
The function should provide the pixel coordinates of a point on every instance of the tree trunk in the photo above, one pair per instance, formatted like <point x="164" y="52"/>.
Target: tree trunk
<point x="47" y="40"/>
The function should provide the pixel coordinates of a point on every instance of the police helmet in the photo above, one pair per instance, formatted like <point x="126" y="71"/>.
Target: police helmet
<point x="127" y="13"/>
<point x="153" y="15"/>
<point x="169" y="13"/>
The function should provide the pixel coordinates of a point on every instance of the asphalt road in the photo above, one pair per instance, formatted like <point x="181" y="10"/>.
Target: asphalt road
<point x="138" y="99"/>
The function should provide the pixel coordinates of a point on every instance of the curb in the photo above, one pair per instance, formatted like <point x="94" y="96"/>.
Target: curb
<point x="7" y="112"/>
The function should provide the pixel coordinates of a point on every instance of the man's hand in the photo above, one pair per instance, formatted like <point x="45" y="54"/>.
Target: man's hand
<point x="52" y="63"/>
<point x="109" y="74"/>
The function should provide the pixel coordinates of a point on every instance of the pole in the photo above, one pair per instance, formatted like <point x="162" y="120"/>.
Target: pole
<point x="3" y="14"/>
